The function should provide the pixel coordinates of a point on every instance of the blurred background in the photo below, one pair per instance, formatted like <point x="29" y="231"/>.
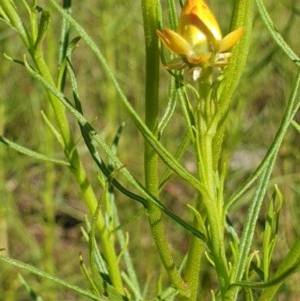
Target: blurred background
<point x="41" y="210"/>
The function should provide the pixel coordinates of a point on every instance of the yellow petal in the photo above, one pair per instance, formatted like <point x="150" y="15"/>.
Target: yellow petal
<point x="174" y="42"/>
<point x="198" y="9"/>
<point x="231" y="39"/>
<point x="192" y="30"/>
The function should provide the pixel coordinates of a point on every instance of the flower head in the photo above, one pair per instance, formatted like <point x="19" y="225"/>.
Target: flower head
<point x="198" y="39"/>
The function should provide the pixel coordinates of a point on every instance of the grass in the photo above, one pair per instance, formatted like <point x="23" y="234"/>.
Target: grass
<point x="42" y="211"/>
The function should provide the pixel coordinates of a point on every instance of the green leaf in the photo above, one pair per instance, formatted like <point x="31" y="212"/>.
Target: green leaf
<point x="25" y="151"/>
<point x="30" y="290"/>
<point x="275" y="34"/>
<point x="289" y="114"/>
<point x="89" y="279"/>
<point x="289" y="265"/>
<point x="271" y="230"/>
<point x="263" y="181"/>
<point x="43" y="27"/>
<point x="50" y="277"/>
<point x="93" y="136"/>
<point x="162" y="152"/>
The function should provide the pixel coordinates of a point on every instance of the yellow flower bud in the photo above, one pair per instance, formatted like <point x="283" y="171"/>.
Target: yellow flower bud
<point x="198" y="38"/>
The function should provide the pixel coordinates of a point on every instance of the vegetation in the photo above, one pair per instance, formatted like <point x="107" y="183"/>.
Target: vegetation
<point x="128" y="175"/>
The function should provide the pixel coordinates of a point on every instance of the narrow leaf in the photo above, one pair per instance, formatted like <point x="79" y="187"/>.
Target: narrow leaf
<point x="26" y="151"/>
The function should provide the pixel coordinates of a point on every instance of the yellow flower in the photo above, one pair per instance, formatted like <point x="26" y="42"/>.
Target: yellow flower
<point x="198" y="39"/>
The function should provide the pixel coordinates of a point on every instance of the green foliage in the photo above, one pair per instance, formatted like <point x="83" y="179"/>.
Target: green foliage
<point x="164" y="213"/>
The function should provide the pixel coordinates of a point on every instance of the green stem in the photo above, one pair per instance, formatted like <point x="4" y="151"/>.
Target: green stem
<point x="208" y="174"/>
<point x="16" y="23"/>
<point x="166" y="156"/>
<point x="35" y="50"/>
<point x="214" y="213"/>
<point x="151" y="20"/>
<point x="193" y="265"/>
<point x="78" y="170"/>
<point x="48" y="199"/>
<point x="3" y="193"/>
<point x="211" y="128"/>
<point x="48" y="147"/>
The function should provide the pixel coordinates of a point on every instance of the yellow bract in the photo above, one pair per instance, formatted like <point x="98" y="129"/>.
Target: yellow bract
<point x="198" y="38"/>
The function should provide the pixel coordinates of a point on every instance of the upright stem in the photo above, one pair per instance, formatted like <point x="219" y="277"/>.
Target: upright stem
<point x="193" y="265"/>
<point x="47" y="195"/>
<point x="78" y="170"/>
<point x="214" y="213"/>
<point x="3" y="194"/>
<point x="34" y="46"/>
<point x="208" y="174"/>
<point x="151" y="21"/>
